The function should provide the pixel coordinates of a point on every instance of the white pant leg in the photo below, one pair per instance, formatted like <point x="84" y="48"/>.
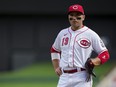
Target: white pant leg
<point x="74" y="80"/>
<point x="63" y="80"/>
<point x="83" y="84"/>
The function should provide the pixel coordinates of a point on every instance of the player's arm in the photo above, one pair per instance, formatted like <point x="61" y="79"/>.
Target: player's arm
<point x="100" y="48"/>
<point x="101" y="58"/>
<point x="55" y="56"/>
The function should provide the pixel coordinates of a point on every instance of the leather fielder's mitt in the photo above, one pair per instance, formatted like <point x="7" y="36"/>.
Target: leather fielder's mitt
<point x="89" y="68"/>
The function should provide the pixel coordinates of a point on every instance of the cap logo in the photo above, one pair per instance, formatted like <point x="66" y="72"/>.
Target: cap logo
<point x="75" y="7"/>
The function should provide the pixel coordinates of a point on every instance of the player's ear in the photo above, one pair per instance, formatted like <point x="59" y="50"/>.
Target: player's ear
<point x="83" y="18"/>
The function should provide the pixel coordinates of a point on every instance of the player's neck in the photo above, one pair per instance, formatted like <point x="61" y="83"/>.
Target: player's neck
<point x="76" y="28"/>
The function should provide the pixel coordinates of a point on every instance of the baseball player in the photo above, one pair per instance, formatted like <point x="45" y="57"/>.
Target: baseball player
<point x="71" y="51"/>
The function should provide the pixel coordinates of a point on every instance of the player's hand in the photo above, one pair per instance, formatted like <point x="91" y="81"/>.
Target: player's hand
<point x="89" y="68"/>
<point x="58" y="71"/>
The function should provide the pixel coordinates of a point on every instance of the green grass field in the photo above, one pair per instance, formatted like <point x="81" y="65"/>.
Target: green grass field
<point x="41" y="75"/>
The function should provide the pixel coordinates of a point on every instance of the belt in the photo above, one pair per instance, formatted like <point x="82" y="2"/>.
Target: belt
<point x="73" y="70"/>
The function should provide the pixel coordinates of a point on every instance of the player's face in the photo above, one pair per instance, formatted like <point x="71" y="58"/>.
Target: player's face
<point x="76" y="19"/>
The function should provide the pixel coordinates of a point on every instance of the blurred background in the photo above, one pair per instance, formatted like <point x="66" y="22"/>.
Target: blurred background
<point x="28" y="29"/>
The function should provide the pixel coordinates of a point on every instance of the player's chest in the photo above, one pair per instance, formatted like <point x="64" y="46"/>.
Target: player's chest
<point x="75" y="40"/>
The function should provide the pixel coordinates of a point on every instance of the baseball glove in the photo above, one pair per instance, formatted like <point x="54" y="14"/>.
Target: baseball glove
<point x="89" y="68"/>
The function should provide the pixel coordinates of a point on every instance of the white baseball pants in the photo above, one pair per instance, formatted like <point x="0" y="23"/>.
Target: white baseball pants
<point x="77" y="79"/>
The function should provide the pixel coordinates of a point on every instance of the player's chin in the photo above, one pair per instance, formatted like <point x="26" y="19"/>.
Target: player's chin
<point x="75" y="25"/>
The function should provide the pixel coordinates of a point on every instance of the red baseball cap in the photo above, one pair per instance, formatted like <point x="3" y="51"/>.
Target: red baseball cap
<point x="76" y="8"/>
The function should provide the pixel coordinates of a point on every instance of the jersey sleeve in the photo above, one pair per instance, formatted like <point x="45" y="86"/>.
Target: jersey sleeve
<point x="98" y="44"/>
<point x="56" y="44"/>
<point x="100" y="48"/>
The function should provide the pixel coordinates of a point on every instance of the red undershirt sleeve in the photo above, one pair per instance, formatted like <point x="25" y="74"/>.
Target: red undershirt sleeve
<point x="104" y="56"/>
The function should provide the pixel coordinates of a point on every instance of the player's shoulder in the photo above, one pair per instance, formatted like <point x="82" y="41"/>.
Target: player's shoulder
<point x="92" y="32"/>
<point x="65" y="30"/>
<point x="62" y="32"/>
